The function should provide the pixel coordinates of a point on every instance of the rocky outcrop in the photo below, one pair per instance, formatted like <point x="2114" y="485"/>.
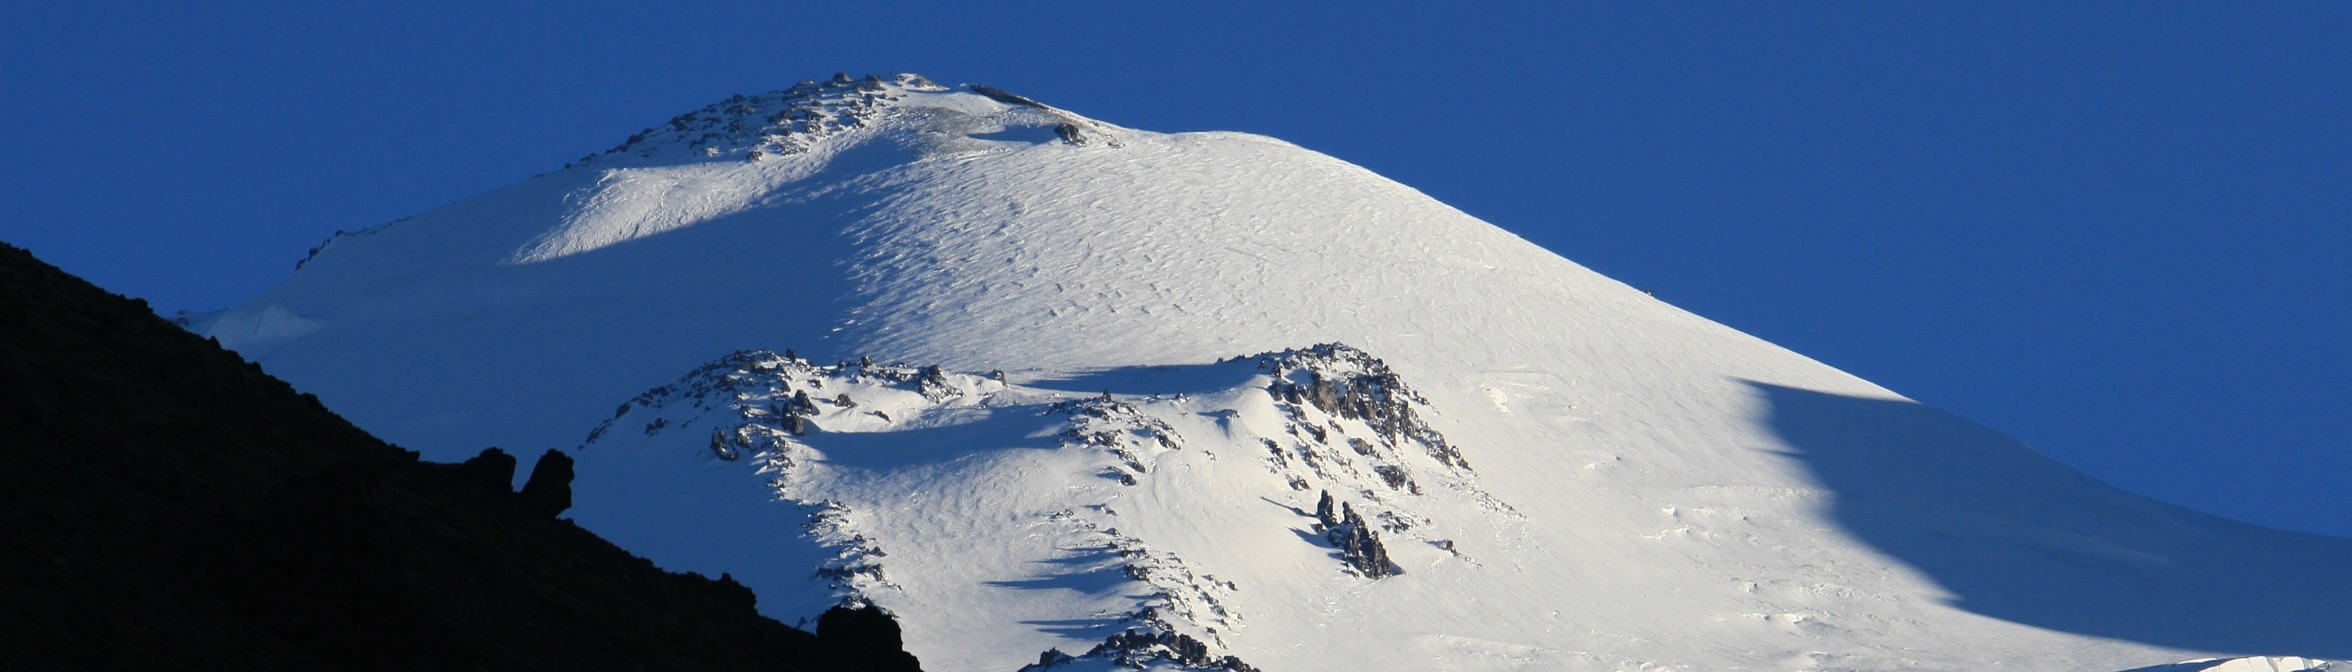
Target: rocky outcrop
<point x="549" y="491"/>
<point x="166" y="505"/>
<point x="866" y="633"/>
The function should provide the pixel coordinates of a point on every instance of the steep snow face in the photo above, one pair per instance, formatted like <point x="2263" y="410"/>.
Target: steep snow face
<point x="1547" y="469"/>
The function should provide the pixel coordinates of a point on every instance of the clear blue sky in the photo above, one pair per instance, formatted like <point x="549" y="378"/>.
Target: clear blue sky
<point x="2119" y="231"/>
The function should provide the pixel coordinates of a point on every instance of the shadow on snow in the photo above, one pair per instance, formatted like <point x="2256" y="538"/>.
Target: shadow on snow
<point x="1008" y="428"/>
<point x="1164" y="379"/>
<point x="2016" y="536"/>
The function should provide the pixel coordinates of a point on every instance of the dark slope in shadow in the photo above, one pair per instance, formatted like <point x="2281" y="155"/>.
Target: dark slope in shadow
<point x="166" y="505"/>
<point x="2016" y="536"/>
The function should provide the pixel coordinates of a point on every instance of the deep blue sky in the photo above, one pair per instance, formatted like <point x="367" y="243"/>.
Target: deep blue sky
<point x="2118" y="231"/>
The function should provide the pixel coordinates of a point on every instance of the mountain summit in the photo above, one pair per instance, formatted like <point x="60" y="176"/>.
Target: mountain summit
<point x="1066" y="395"/>
<point x="803" y="118"/>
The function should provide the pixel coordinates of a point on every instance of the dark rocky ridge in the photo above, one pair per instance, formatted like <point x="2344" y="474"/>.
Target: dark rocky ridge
<point x="166" y="505"/>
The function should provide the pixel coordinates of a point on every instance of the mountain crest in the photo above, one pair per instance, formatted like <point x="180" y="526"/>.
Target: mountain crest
<point x="777" y="122"/>
<point x="792" y="121"/>
<point x="1546" y="468"/>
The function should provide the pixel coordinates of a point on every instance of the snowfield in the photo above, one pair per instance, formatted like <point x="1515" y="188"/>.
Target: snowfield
<point x="1068" y="395"/>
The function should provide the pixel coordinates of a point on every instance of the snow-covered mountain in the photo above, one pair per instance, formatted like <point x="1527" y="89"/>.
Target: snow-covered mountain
<point x="1073" y="396"/>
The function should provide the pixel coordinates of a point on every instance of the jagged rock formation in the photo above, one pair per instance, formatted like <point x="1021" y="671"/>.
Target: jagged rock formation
<point x="1359" y="544"/>
<point x="549" y="491"/>
<point x="166" y="505"/>
<point x="1351" y="384"/>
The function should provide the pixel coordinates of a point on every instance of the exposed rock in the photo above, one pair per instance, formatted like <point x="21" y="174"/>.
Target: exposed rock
<point x="493" y="470"/>
<point x="237" y="524"/>
<point x="869" y="634"/>
<point x="549" y="492"/>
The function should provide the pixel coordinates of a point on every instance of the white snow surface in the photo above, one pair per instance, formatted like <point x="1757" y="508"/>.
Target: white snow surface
<point x="1569" y="474"/>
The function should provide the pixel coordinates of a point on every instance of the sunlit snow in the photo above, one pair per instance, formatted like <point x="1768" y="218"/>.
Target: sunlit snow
<point x="1631" y="487"/>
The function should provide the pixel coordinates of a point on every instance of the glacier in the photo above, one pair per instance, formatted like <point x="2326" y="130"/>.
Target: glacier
<point x="1066" y="395"/>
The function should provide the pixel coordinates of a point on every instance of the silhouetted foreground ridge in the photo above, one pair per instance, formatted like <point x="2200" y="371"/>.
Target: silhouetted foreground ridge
<point x="166" y="505"/>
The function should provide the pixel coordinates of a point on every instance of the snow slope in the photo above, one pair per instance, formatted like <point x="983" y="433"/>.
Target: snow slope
<point x="1565" y="472"/>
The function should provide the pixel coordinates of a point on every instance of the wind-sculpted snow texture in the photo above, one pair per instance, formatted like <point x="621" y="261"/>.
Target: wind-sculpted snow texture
<point x="1549" y="469"/>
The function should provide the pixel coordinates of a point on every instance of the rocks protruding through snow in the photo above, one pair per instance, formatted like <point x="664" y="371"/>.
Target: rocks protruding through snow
<point x="1177" y="600"/>
<point x="855" y="567"/>
<point x="1359" y="545"/>
<point x="770" y="124"/>
<point x="1142" y="648"/>
<point x="322" y="246"/>
<point x="1354" y="426"/>
<point x="1119" y="428"/>
<point x="1325" y="518"/>
<point x="722" y="445"/>
<point x="1328" y="418"/>
<point x="1352" y="384"/>
<point x="933" y="383"/>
